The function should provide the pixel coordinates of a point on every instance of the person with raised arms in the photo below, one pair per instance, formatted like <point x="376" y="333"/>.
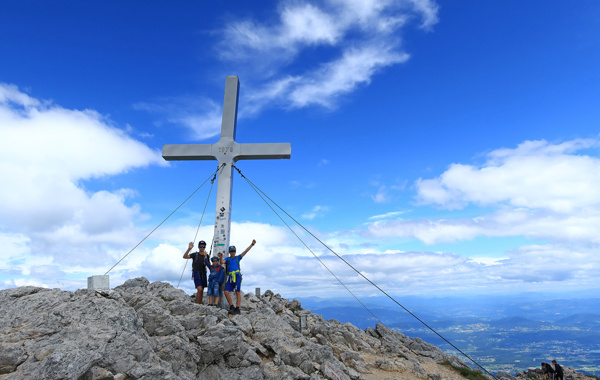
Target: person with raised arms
<point x="234" y="277"/>
<point x="198" y="268"/>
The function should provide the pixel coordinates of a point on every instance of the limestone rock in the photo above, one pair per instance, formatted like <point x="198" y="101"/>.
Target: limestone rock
<point x="143" y="330"/>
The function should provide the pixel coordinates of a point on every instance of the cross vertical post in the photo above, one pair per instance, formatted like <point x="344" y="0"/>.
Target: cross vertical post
<point x="226" y="161"/>
<point x="227" y="152"/>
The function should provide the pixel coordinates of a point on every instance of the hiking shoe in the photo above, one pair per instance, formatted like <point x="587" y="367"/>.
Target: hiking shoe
<point x="237" y="311"/>
<point x="231" y="309"/>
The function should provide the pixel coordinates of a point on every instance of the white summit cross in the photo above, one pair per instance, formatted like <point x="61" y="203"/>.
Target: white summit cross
<point x="227" y="151"/>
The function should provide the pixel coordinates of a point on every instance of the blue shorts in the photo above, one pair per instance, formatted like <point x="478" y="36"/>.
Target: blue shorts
<point x="213" y="289"/>
<point x="231" y="286"/>
<point x="199" y="279"/>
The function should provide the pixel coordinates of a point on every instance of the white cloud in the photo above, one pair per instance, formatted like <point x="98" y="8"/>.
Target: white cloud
<point x="425" y="272"/>
<point x="428" y="10"/>
<point x="537" y="190"/>
<point x="281" y="263"/>
<point x="98" y="227"/>
<point x="48" y="217"/>
<point x="385" y="193"/>
<point x="305" y="185"/>
<point x="305" y="23"/>
<point x="536" y="175"/>
<point x="549" y="264"/>
<point x="382" y="195"/>
<point x="159" y="258"/>
<point x="201" y="116"/>
<point x="317" y="211"/>
<point x="504" y="223"/>
<point x="541" y="191"/>
<point x="342" y="45"/>
<point x="74" y="144"/>
<point x="355" y="67"/>
<point x="567" y="260"/>
<point x="308" y="24"/>
<point x="356" y="38"/>
<point x="26" y="282"/>
<point x="164" y="262"/>
<point x="387" y="215"/>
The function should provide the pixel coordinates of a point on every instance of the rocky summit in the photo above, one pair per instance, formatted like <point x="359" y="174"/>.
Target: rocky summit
<point x="143" y="330"/>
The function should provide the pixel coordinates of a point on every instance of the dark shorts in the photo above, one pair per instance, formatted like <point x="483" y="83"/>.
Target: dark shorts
<point x="200" y="279"/>
<point x="213" y="289"/>
<point x="231" y="286"/>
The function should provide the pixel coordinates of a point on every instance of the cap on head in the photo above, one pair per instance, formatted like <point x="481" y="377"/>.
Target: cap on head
<point x="214" y="258"/>
<point x="201" y="242"/>
<point x="232" y="248"/>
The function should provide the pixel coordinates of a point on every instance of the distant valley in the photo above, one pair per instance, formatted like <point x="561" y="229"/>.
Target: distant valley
<point x="507" y="334"/>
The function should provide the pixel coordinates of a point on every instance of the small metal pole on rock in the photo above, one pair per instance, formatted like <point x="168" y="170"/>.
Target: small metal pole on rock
<point x="303" y="322"/>
<point x="257" y="292"/>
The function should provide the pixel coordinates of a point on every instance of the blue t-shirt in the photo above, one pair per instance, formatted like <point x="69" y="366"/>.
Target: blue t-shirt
<point x="233" y="264"/>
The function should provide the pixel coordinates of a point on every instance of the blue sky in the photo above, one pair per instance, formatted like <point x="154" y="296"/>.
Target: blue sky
<point x="445" y="147"/>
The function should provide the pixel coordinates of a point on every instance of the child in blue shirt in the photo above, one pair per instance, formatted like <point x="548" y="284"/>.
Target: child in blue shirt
<point x="234" y="277"/>
<point x="217" y="273"/>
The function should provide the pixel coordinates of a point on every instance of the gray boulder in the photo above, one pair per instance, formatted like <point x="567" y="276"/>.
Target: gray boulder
<point x="143" y="330"/>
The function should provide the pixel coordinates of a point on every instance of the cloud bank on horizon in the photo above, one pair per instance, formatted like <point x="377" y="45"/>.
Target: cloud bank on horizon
<point x="60" y="221"/>
<point x="47" y="154"/>
<point x="78" y="231"/>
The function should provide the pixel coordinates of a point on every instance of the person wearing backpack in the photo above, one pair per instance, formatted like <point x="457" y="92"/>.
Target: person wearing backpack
<point x="548" y="371"/>
<point x="198" y="268"/>
<point x="234" y="277"/>
<point x="559" y="373"/>
<point x="217" y="273"/>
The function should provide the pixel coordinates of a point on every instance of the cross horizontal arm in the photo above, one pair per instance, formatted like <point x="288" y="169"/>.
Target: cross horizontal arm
<point x="264" y="151"/>
<point x="181" y="152"/>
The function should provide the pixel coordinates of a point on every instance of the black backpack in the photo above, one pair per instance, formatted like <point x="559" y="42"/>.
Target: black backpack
<point x="198" y="264"/>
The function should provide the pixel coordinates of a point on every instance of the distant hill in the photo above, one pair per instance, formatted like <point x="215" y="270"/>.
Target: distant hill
<point x="516" y="323"/>
<point x="538" y="329"/>
<point x="360" y="317"/>
<point x="581" y="320"/>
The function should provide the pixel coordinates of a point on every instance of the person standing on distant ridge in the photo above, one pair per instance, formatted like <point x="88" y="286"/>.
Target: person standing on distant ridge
<point x="234" y="277"/>
<point x="558" y="369"/>
<point x="198" y="268"/>
<point x="548" y="371"/>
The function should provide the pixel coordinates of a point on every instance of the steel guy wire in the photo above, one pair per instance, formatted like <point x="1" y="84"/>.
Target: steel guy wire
<point x="311" y="251"/>
<point x="212" y="182"/>
<point x="256" y="188"/>
<point x="182" y="203"/>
